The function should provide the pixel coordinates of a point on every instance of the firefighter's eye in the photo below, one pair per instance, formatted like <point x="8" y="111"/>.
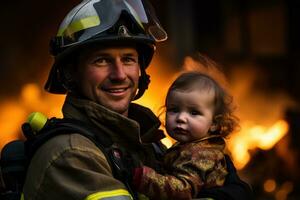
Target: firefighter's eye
<point x="101" y="61"/>
<point x="129" y="60"/>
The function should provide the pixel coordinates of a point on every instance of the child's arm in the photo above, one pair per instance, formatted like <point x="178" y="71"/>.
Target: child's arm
<point x="157" y="186"/>
<point x="192" y="171"/>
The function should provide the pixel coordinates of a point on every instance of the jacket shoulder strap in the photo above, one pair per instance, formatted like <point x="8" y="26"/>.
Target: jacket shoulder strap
<point x="55" y="127"/>
<point x="112" y="153"/>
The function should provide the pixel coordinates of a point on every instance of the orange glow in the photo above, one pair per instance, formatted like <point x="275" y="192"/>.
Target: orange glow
<point x="272" y="135"/>
<point x="269" y="185"/>
<point x="257" y="133"/>
<point x="167" y="142"/>
<point x="13" y="112"/>
<point x="254" y="136"/>
<point x="161" y="78"/>
<point x="11" y="116"/>
<point x="284" y="190"/>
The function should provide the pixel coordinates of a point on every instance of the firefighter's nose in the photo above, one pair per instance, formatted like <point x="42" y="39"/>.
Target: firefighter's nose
<point x="118" y="71"/>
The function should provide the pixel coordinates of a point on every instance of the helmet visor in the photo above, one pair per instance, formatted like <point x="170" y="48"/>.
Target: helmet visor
<point x="92" y="17"/>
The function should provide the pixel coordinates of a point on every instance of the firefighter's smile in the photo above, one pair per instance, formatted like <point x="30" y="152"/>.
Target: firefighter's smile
<point x="116" y="91"/>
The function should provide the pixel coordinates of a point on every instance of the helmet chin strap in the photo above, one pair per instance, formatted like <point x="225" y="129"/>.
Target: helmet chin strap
<point x="144" y="81"/>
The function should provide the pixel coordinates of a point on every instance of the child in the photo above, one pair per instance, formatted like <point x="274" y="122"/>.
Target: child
<point x="198" y="116"/>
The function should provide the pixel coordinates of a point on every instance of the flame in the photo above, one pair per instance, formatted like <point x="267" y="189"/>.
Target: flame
<point x="14" y="112"/>
<point x="253" y="135"/>
<point x="11" y="116"/>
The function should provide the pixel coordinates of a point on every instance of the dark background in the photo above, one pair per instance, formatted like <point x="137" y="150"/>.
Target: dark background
<point x="233" y="32"/>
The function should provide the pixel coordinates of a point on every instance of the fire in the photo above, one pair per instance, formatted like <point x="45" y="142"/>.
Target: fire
<point x="253" y="135"/>
<point x="14" y="112"/>
<point x="11" y="116"/>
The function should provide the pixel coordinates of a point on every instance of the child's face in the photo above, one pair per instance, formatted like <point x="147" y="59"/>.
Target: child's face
<point x="189" y="114"/>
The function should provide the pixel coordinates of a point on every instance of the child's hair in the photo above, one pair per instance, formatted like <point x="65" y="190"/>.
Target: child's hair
<point x="223" y="116"/>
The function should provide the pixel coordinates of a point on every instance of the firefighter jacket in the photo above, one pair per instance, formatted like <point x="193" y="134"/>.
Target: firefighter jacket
<point x="71" y="166"/>
<point x="189" y="168"/>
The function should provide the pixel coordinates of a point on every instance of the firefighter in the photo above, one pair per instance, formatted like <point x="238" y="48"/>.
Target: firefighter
<point x="101" y="51"/>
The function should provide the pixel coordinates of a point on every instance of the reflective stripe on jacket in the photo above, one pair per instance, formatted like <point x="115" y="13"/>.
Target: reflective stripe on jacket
<point x="119" y="194"/>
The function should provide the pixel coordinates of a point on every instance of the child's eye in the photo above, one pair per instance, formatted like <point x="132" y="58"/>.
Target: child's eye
<point x="195" y="112"/>
<point x="172" y="110"/>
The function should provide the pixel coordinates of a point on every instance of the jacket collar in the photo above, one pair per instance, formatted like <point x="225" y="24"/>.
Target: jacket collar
<point x="140" y="125"/>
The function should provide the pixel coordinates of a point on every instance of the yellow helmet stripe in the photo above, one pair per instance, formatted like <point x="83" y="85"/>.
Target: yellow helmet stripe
<point x="79" y="25"/>
<point x="119" y="194"/>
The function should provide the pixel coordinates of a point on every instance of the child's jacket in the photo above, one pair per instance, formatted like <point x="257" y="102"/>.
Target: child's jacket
<point x="189" y="167"/>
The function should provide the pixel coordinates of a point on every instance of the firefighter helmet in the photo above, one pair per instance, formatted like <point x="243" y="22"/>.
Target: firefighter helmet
<point x="106" y="22"/>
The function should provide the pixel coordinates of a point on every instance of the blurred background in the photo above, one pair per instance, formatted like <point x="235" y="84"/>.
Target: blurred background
<point x="255" y="42"/>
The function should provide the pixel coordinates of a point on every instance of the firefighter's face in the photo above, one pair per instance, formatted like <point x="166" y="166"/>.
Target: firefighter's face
<point x="109" y="76"/>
